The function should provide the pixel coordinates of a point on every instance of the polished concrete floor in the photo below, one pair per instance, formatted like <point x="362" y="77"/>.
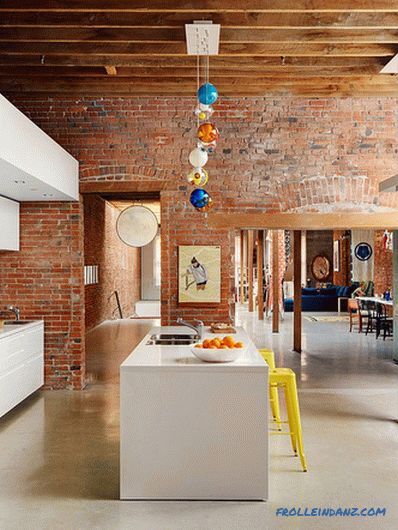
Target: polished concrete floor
<point x="59" y="450"/>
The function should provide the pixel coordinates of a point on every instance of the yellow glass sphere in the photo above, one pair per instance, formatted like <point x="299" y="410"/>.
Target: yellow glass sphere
<point x="198" y="177"/>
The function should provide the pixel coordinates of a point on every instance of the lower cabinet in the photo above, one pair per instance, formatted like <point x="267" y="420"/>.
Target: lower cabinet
<point x="21" y="365"/>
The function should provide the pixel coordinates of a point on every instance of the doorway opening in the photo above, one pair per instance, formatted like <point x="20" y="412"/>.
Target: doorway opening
<point x="121" y="281"/>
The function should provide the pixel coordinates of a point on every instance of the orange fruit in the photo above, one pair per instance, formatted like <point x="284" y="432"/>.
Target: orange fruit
<point x="224" y="347"/>
<point x="217" y="342"/>
<point x="198" y="345"/>
<point x="239" y="345"/>
<point x="206" y="343"/>
<point x="212" y="347"/>
<point x="229" y="341"/>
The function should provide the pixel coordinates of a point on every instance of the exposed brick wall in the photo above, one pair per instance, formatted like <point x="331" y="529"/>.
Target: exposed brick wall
<point x="119" y="264"/>
<point x="274" y="155"/>
<point x="383" y="267"/>
<point x="45" y="279"/>
<point x="343" y="275"/>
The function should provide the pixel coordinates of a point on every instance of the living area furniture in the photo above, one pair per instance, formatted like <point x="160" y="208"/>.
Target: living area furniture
<point x="354" y="313"/>
<point x="384" y="322"/>
<point x="321" y="299"/>
<point x="339" y="299"/>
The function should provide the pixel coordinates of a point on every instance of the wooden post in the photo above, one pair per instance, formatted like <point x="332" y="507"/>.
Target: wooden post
<point x="395" y="295"/>
<point x="275" y="282"/>
<point x="297" y="291"/>
<point x="250" y="249"/>
<point x="260" y="273"/>
<point x="242" y="267"/>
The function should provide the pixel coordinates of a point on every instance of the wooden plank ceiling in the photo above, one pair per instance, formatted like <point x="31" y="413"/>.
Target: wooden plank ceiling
<point x="137" y="47"/>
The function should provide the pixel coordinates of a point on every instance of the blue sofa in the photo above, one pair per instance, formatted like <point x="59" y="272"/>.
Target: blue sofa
<point x="324" y="299"/>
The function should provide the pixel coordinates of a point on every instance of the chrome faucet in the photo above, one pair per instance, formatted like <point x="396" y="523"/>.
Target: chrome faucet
<point x="198" y="328"/>
<point x="14" y="309"/>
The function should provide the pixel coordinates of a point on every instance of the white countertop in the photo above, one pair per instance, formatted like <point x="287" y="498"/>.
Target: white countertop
<point x="10" y="329"/>
<point x="159" y="357"/>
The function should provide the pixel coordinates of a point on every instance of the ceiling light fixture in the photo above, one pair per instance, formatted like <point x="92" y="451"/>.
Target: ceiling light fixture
<point x="203" y="40"/>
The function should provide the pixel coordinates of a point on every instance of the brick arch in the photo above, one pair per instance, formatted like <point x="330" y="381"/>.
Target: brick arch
<point x="348" y="193"/>
<point x="125" y="172"/>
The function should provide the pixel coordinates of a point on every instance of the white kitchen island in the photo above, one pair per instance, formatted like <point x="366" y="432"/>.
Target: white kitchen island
<point x="193" y="430"/>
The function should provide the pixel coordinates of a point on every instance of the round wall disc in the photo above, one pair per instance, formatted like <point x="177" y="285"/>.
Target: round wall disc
<point x="137" y="226"/>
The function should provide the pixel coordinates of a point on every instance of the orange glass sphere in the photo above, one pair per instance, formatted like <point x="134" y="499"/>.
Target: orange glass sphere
<point x="208" y="133"/>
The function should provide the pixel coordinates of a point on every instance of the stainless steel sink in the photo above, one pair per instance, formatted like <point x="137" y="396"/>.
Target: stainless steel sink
<point x="177" y="339"/>
<point x="17" y="322"/>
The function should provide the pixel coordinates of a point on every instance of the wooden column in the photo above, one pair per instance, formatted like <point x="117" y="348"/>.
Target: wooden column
<point x="395" y="295"/>
<point x="275" y="282"/>
<point x="242" y="267"/>
<point x="250" y="250"/>
<point x="297" y="291"/>
<point x="260" y="273"/>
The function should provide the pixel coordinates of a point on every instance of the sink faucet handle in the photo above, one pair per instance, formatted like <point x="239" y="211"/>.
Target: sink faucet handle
<point x="199" y="321"/>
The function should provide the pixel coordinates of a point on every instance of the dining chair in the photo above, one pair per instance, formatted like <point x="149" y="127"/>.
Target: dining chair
<point x="354" y="313"/>
<point x="384" y="322"/>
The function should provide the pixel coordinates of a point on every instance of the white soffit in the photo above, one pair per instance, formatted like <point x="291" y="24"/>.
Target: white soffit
<point x="391" y="67"/>
<point x="203" y="37"/>
<point x="389" y="185"/>
<point x="33" y="167"/>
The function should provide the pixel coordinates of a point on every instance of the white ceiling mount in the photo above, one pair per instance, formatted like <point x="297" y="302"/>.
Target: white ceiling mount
<point x="391" y="67"/>
<point x="203" y="37"/>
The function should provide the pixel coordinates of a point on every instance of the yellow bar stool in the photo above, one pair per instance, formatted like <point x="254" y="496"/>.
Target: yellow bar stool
<point x="285" y="378"/>
<point x="269" y="358"/>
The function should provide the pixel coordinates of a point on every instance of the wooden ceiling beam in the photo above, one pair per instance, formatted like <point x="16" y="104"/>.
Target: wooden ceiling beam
<point x="179" y="49"/>
<point x="252" y="19"/>
<point x="133" y="87"/>
<point x="206" y="5"/>
<point x="306" y="221"/>
<point x="228" y="35"/>
<point x="217" y="62"/>
<point x="281" y="72"/>
<point x="236" y="81"/>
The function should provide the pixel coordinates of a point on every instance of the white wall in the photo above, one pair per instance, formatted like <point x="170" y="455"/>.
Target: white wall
<point x="149" y="289"/>
<point x="29" y="154"/>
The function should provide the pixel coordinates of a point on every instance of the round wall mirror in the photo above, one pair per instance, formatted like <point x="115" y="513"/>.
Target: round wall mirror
<point x="137" y="226"/>
<point x="320" y="268"/>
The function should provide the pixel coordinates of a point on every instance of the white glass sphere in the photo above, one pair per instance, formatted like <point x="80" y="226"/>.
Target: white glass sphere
<point x="198" y="157"/>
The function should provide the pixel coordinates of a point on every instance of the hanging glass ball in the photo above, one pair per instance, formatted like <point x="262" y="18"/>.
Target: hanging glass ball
<point x="199" y="198"/>
<point x="198" y="177"/>
<point x="198" y="157"/>
<point x="203" y="113"/>
<point x="207" y="94"/>
<point x="208" y="206"/>
<point x="210" y="148"/>
<point x="208" y="133"/>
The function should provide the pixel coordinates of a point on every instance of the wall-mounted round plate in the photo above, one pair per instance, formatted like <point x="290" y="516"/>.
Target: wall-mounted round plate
<point x="137" y="226"/>
<point x="320" y="268"/>
<point x="363" y="251"/>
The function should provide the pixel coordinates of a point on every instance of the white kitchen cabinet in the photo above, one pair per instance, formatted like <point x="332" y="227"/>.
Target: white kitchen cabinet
<point x="9" y="222"/>
<point x="21" y="363"/>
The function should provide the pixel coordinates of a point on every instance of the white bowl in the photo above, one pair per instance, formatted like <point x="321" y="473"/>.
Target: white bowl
<point x="213" y="355"/>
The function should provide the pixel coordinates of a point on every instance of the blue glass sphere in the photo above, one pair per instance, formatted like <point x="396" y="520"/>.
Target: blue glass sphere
<point x="207" y="94"/>
<point x="199" y="198"/>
